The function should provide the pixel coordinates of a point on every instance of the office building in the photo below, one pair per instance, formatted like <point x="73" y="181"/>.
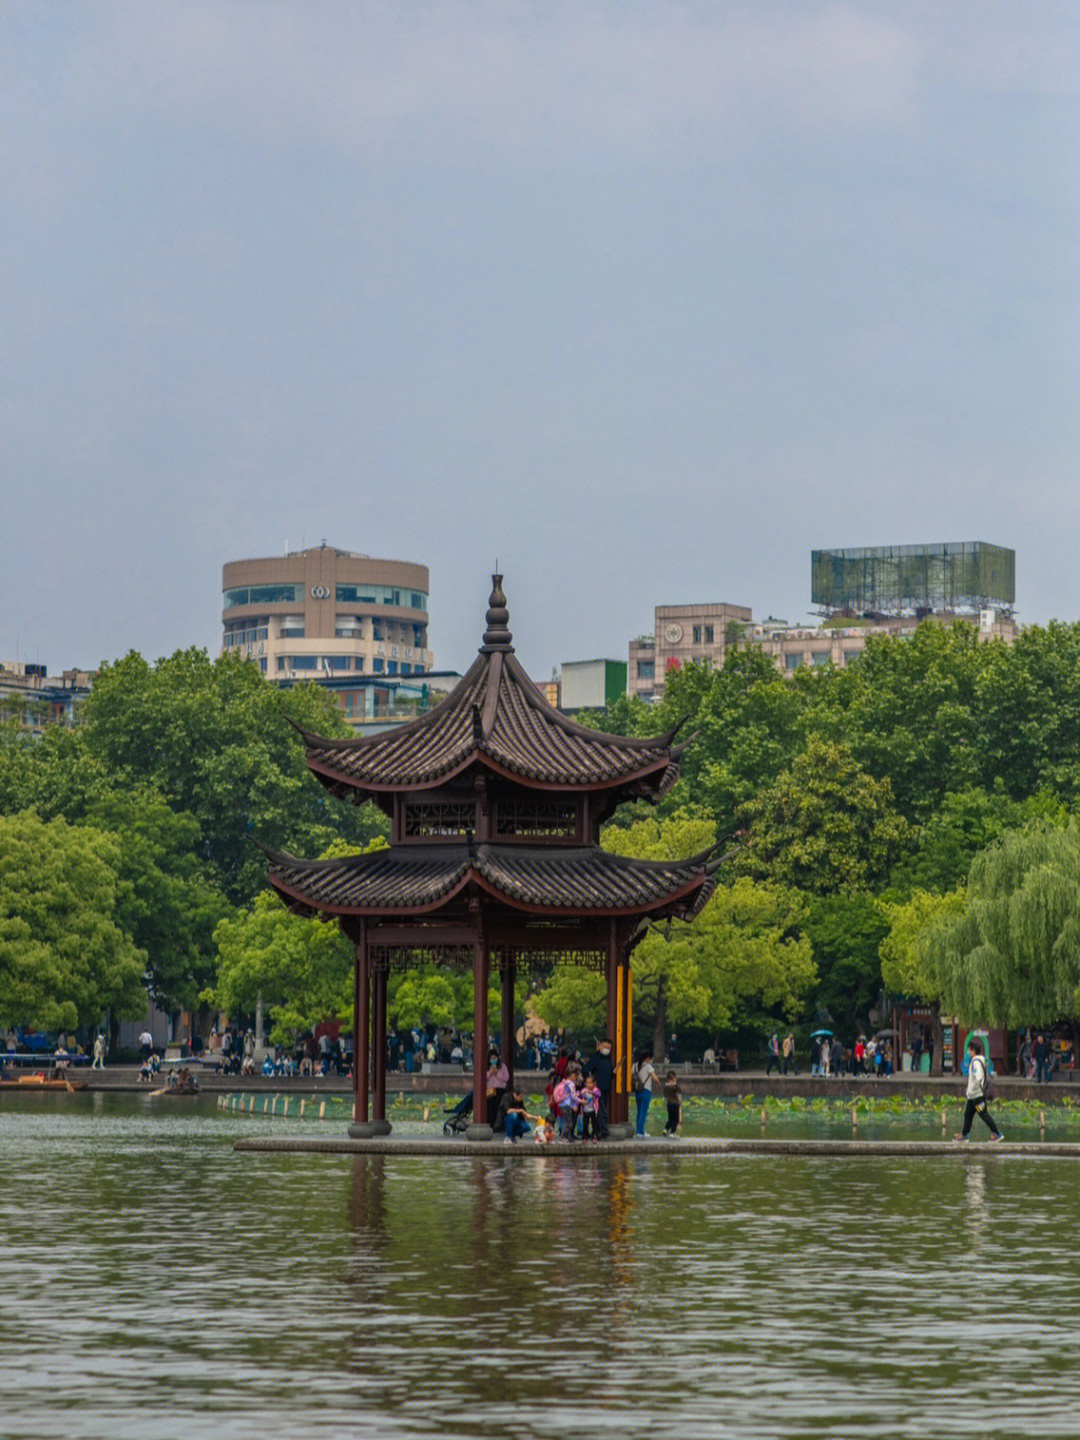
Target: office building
<point x="353" y="623"/>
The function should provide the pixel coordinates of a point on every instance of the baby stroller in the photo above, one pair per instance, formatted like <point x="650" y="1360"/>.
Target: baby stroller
<point x="460" y="1116"/>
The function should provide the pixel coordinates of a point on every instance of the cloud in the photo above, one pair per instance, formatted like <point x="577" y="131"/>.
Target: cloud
<point x="518" y="79"/>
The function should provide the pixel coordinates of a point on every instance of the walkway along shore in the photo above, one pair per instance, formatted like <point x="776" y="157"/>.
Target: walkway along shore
<point x="448" y="1080"/>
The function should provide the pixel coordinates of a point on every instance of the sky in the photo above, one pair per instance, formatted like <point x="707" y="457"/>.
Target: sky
<point x="641" y="302"/>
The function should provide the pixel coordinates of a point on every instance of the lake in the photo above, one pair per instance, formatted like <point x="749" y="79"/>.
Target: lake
<point x="155" y="1283"/>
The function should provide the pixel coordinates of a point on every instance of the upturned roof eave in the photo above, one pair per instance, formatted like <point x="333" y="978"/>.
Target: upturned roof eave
<point x="329" y="776"/>
<point x="659" y="907"/>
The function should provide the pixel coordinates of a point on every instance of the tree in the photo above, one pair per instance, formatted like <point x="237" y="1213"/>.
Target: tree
<point x="302" y="969"/>
<point x="845" y="931"/>
<point x="65" y="961"/>
<point x="908" y="711"/>
<point x="169" y="905"/>
<point x="745" y="945"/>
<point x="213" y="737"/>
<point x="910" y="954"/>
<point x="824" y="825"/>
<point x="1012" y="956"/>
<point x="967" y="822"/>
<point x="1028" y="734"/>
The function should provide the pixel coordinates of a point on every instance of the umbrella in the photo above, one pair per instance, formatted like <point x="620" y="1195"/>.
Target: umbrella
<point x="816" y="1034"/>
<point x="883" y="1034"/>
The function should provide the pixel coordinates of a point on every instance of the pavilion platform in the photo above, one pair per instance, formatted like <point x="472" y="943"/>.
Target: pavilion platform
<point x="652" y="1148"/>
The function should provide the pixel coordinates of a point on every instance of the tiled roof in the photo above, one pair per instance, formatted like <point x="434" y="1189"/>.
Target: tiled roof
<point x="561" y="880"/>
<point x="496" y="714"/>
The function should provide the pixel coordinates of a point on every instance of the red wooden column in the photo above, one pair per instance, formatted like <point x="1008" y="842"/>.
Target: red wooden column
<point x="509" y="976"/>
<point x="480" y="1129"/>
<point x="611" y="975"/>
<point x="361" y="1030"/>
<point x="626" y="1042"/>
<point x="378" y="1049"/>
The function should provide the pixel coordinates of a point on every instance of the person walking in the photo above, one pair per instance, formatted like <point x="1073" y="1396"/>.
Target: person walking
<point x="774" y="1054"/>
<point x="1040" y="1053"/>
<point x="788" y="1052"/>
<point x="977" y="1086"/>
<point x="99" y="1053"/>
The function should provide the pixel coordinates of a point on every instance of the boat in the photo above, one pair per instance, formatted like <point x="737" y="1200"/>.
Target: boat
<point x="41" y="1081"/>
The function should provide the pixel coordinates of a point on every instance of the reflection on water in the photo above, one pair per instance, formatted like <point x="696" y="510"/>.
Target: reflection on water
<point x="156" y="1283"/>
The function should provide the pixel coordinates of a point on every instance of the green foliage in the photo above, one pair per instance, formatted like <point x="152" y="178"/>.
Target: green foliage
<point x="746" y="946"/>
<point x="967" y="822"/>
<point x="573" y="1000"/>
<point x="907" y="710"/>
<point x="824" y="825"/>
<point x="1029" y="713"/>
<point x="213" y="737"/>
<point x="64" y="958"/>
<point x="845" y="931"/>
<point x="908" y="967"/>
<point x="1012" y="956"/>
<point x="302" y="969"/>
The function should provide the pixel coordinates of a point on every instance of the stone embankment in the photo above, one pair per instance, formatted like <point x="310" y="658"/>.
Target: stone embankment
<point x="449" y="1080"/>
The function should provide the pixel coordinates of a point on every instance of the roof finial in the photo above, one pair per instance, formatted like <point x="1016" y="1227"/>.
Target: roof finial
<point x="497" y="635"/>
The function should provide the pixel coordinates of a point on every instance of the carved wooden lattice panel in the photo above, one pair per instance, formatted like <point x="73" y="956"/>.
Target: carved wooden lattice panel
<point x="403" y="957"/>
<point x="540" y="819"/>
<point x="430" y="819"/>
<point x="540" y="962"/>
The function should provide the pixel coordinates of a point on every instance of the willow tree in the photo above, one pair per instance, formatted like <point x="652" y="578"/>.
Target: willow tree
<point x="919" y="935"/>
<point x="1013" y="956"/>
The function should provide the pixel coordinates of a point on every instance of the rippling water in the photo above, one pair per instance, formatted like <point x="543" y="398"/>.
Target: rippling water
<point x="154" y="1283"/>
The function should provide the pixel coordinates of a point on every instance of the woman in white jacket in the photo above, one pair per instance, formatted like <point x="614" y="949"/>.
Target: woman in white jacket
<point x="976" y="1092"/>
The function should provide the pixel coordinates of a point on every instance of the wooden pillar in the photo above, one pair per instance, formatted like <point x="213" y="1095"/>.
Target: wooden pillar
<point x="361" y="1030"/>
<point x="626" y="1042"/>
<point x="508" y="976"/>
<point x="611" y="975"/>
<point x="480" y="1129"/>
<point x="378" y="1048"/>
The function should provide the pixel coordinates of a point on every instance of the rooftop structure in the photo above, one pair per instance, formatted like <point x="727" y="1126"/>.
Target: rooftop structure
<point x="878" y="581"/>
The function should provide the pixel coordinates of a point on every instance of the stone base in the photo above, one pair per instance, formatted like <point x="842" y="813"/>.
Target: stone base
<point x="622" y="1130"/>
<point x="479" y="1132"/>
<point x="368" y="1129"/>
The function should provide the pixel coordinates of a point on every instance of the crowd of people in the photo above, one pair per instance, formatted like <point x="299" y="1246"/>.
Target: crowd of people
<point x="579" y="1094"/>
<point x="867" y="1055"/>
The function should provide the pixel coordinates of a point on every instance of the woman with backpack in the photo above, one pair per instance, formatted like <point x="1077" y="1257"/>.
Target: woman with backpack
<point x="646" y="1085"/>
<point x="978" y="1092"/>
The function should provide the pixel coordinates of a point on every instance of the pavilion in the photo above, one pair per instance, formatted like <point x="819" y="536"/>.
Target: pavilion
<point x="495" y="801"/>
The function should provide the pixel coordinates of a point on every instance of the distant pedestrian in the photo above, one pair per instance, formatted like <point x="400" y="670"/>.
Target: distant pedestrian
<point x="1040" y="1053"/>
<point x="99" y="1053"/>
<point x="977" y="1086"/>
<point x="774" y="1055"/>
<point x="916" y="1050"/>
<point x="788" y="1053"/>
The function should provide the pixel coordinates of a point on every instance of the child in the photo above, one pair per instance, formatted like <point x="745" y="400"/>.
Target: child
<point x="590" y="1110"/>
<point x="673" y="1096"/>
<point x="566" y="1098"/>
